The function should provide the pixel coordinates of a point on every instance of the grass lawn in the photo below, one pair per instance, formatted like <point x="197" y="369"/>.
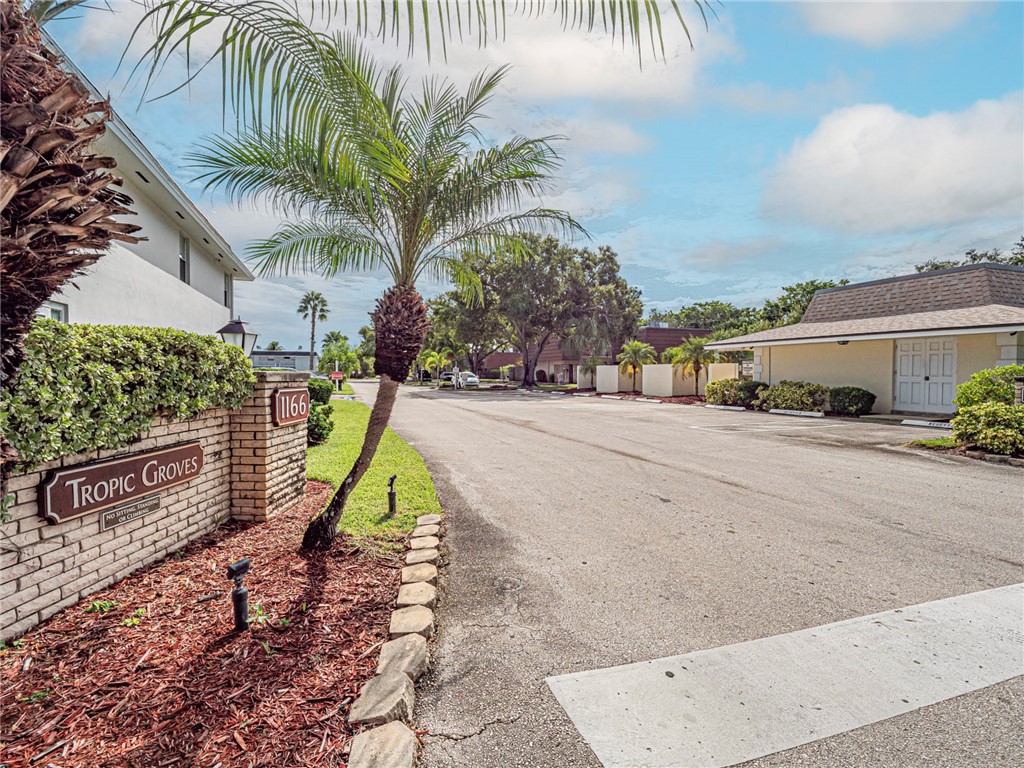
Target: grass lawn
<point x="346" y="389"/>
<point x="367" y="507"/>
<point x="936" y="442"/>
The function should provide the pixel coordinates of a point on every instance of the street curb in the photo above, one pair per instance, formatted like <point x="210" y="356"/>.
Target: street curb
<point x="995" y="458"/>
<point x="391" y="743"/>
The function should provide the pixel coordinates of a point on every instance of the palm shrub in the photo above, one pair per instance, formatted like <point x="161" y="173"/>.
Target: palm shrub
<point x="851" y="401"/>
<point x="634" y="356"/>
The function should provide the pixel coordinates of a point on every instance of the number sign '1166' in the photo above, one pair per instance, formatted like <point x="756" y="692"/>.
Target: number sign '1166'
<point x="290" y="406"/>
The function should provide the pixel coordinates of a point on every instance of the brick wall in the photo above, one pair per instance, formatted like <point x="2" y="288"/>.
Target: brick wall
<point x="251" y="469"/>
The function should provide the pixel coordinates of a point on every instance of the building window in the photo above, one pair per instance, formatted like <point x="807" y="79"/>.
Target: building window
<point x="53" y="310"/>
<point x="184" y="258"/>
<point x="229" y="298"/>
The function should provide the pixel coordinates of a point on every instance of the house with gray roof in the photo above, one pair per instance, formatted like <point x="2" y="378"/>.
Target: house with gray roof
<point x="909" y="339"/>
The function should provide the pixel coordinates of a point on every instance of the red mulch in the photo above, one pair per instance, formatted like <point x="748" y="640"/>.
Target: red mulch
<point x="180" y="689"/>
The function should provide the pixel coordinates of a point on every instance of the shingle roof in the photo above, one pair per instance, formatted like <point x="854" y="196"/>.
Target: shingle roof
<point x="971" y="286"/>
<point x="977" y="296"/>
<point x="991" y="316"/>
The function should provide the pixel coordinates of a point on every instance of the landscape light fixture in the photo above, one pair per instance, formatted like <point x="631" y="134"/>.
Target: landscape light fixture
<point x="240" y="594"/>
<point x="238" y="333"/>
<point x="842" y="343"/>
<point x="392" y="496"/>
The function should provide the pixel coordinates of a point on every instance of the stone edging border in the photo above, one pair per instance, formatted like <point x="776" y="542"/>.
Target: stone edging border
<point x="995" y="458"/>
<point x="387" y="700"/>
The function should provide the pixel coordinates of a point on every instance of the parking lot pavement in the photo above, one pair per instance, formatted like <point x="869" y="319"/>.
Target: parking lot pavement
<point x="590" y="533"/>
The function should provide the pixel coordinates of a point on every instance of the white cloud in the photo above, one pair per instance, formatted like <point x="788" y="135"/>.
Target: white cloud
<point x="763" y="99"/>
<point x="870" y="168"/>
<point x="876" y="23"/>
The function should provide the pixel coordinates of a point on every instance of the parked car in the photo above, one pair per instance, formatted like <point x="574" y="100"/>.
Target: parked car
<point x="447" y="377"/>
<point x="469" y="379"/>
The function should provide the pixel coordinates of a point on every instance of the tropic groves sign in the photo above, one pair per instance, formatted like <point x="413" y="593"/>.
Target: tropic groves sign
<point x="75" y="491"/>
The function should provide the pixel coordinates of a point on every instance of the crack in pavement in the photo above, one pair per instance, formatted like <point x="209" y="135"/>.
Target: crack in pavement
<point x="478" y="731"/>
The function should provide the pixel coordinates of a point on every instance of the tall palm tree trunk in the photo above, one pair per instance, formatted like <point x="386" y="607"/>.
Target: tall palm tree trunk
<point x="401" y="325"/>
<point x="312" y="342"/>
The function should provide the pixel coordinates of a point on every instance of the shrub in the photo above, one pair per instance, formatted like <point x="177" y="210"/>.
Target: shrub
<point x="995" y="426"/>
<point x="748" y="391"/>
<point x="721" y="392"/>
<point x="853" y="401"/>
<point x="320" y="391"/>
<point x="733" y="392"/>
<point x="993" y="385"/>
<point x="793" y="396"/>
<point x="84" y="387"/>
<point x="319" y="424"/>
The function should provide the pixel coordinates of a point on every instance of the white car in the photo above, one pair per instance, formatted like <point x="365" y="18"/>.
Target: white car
<point x="468" y="379"/>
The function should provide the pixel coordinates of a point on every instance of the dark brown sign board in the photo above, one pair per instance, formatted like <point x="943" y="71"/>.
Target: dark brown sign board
<point x="71" y="492"/>
<point x="289" y="406"/>
<point x="128" y="512"/>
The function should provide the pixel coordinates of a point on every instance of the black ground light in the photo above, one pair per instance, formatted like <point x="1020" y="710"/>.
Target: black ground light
<point x="240" y="595"/>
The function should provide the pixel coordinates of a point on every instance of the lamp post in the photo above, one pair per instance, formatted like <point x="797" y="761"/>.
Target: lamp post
<point x="238" y="333"/>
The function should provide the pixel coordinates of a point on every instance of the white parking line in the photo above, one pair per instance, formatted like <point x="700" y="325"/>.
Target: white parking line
<point x="723" y="706"/>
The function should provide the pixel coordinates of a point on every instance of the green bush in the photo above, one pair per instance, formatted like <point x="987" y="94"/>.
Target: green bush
<point x="319" y="424"/>
<point x="793" y="396"/>
<point x="852" y="401"/>
<point x="84" y="387"/>
<point x="721" y="392"/>
<point x="748" y="391"/>
<point x="733" y="392"/>
<point x="996" y="427"/>
<point x="320" y="391"/>
<point x="993" y="385"/>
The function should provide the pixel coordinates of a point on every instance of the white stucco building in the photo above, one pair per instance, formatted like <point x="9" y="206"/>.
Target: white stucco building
<point x="182" y="276"/>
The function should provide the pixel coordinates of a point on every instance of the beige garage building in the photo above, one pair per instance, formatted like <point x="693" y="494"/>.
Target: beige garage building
<point x="908" y="339"/>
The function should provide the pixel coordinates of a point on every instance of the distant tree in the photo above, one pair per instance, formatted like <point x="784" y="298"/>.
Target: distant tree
<point x="1014" y="258"/>
<point x="475" y="328"/>
<point x="608" y="310"/>
<point x="634" y="356"/>
<point x="365" y="350"/>
<point x="274" y="345"/>
<point x="334" y="337"/>
<point x="589" y="368"/>
<point x="791" y="305"/>
<point x="713" y="315"/>
<point x="690" y="357"/>
<point x="437" y="359"/>
<point x="313" y="307"/>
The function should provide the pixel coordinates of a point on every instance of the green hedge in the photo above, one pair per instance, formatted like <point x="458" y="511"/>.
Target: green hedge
<point x="741" y="392"/>
<point x="993" y="385"/>
<point x="84" y="387"/>
<point x="997" y="427"/>
<point x="320" y="424"/>
<point x="793" y="396"/>
<point x="851" y="401"/>
<point x="320" y="391"/>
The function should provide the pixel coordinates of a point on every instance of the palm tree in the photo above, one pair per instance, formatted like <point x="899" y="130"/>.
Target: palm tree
<point x="437" y="359"/>
<point x="690" y="357"/>
<point x="397" y="183"/>
<point x="274" y="345"/>
<point x="246" y="58"/>
<point x="589" y="368"/>
<point x="58" y="204"/>
<point x="313" y="307"/>
<point x="634" y="356"/>
<point x="334" y="337"/>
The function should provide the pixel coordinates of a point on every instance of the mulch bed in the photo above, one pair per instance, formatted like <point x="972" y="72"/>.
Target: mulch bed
<point x="180" y="689"/>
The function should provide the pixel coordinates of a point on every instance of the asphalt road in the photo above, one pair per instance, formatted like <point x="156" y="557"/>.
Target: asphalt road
<point x="588" y="533"/>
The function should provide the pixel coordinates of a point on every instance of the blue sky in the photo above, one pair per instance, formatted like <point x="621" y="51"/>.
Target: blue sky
<point x="799" y="140"/>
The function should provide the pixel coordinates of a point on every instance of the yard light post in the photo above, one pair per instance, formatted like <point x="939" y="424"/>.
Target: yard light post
<point x="240" y="594"/>
<point x="239" y="334"/>
<point x="392" y="496"/>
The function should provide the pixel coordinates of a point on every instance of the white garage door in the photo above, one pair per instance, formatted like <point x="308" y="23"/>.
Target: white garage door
<point x="926" y="374"/>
